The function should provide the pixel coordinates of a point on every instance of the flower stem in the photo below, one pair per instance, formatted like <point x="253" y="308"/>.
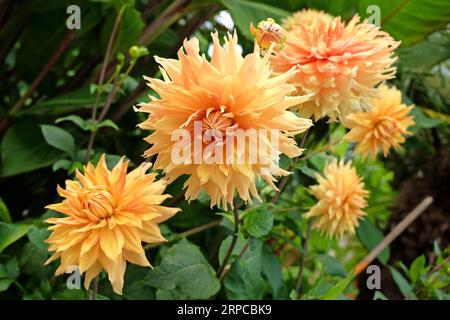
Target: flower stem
<point x="102" y="78"/>
<point x="95" y="288"/>
<point x="223" y="267"/>
<point x="285" y="178"/>
<point x="303" y="259"/>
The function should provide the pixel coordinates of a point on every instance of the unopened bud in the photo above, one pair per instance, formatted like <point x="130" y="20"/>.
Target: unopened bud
<point x="268" y="32"/>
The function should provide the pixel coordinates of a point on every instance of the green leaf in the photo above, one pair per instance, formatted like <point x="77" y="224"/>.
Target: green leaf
<point x="59" y="138"/>
<point x="62" y="164"/>
<point x="4" y="212"/>
<point x="422" y="121"/>
<point x="35" y="252"/>
<point x="258" y="222"/>
<point x="271" y="270"/>
<point x="243" y="282"/>
<point x="128" y="33"/>
<point x="10" y="233"/>
<point x="246" y="12"/>
<point x="8" y="273"/>
<point x="80" y="122"/>
<point x="402" y="283"/>
<point x="68" y="102"/>
<point x="252" y="254"/>
<point x="308" y="171"/>
<point x="426" y="54"/>
<point x="379" y="296"/>
<point x="335" y="291"/>
<point x="24" y="149"/>
<point x="319" y="161"/>
<point x="371" y="236"/>
<point x="186" y="272"/>
<point x="417" y="267"/>
<point x="422" y="16"/>
<point x="108" y="123"/>
<point x="332" y="266"/>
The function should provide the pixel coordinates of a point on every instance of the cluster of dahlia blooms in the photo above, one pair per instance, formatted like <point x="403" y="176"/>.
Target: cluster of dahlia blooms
<point x="324" y="68"/>
<point x="339" y="64"/>
<point x="107" y="214"/>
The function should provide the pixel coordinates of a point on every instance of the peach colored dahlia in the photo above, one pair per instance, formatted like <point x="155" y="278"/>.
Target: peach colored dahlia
<point x="341" y="199"/>
<point x="383" y="127"/>
<point x="340" y="64"/>
<point x="106" y="216"/>
<point x="227" y="93"/>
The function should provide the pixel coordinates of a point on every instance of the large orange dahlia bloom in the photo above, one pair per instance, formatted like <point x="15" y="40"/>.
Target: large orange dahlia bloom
<point x="228" y="93"/>
<point x="107" y="214"/>
<point x="339" y="64"/>
<point x="383" y="127"/>
<point x="341" y="196"/>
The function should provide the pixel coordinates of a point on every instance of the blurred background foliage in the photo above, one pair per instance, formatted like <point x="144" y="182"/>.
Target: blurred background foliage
<point x="50" y="85"/>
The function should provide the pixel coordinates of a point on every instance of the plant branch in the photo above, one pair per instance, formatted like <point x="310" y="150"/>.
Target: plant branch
<point x="194" y="24"/>
<point x="398" y="229"/>
<point x="106" y="59"/>
<point x="221" y="271"/>
<point x="101" y="79"/>
<point x="39" y="78"/>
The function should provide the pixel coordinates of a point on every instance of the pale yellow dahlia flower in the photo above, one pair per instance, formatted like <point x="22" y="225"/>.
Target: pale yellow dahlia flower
<point x="383" y="127"/>
<point x="339" y="64"/>
<point x="106" y="216"/>
<point x="341" y="199"/>
<point x="305" y="17"/>
<point x="268" y="32"/>
<point x="228" y="93"/>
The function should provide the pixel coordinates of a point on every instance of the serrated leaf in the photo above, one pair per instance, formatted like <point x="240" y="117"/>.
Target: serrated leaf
<point x="185" y="272"/>
<point x="243" y="282"/>
<point x="258" y="222"/>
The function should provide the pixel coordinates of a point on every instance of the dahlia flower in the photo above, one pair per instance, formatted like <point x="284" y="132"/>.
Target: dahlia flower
<point x="305" y="17"/>
<point x="341" y="196"/>
<point x="383" y="127"/>
<point x="107" y="214"/>
<point x="268" y="32"/>
<point x="339" y="64"/>
<point x="223" y="95"/>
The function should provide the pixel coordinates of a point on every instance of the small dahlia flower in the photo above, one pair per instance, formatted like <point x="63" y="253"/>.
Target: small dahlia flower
<point x="210" y="103"/>
<point x="268" y="32"/>
<point x="341" y="196"/>
<point x="339" y="64"/>
<point x="383" y="127"/>
<point x="106" y="216"/>
<point x="305" y="17"/>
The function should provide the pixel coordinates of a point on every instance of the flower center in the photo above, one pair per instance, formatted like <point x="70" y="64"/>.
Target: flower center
<point x="216" y="123"/>
<point x="98" y="201"/>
